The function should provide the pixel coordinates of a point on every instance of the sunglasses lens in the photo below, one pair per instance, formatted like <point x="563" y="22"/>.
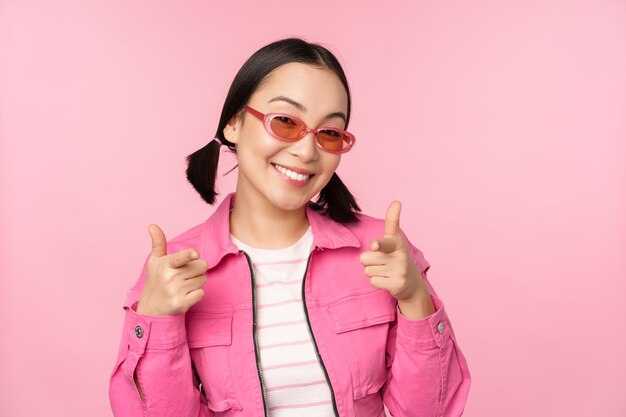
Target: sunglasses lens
<point x="333" y="140"/>
<point x="285" y="127"/>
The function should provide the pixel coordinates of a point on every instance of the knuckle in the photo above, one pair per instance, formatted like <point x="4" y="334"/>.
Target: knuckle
<point x="168" y="274"/>
<point x="177" y="303"/>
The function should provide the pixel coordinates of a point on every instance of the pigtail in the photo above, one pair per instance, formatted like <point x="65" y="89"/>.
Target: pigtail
<point x="336" y="200"/>
<point x="202" y="169"/>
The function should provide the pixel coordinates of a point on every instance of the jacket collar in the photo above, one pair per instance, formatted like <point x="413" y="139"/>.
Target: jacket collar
<point x="216" y="232"/>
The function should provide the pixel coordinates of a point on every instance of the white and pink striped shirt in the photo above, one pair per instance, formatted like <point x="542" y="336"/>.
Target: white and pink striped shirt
<point x="293" y="378"/>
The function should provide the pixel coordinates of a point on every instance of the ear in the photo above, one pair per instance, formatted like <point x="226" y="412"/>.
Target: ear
<point x="232" y="129"/>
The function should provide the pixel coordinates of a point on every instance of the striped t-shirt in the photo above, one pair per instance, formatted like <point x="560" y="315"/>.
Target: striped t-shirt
<point x="293" y="378"/>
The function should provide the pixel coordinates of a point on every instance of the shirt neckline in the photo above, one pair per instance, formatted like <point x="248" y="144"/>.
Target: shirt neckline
<point x="288" y="249"/>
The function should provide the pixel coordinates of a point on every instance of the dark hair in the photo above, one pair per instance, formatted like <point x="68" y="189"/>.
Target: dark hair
<point x="334" y="199"/>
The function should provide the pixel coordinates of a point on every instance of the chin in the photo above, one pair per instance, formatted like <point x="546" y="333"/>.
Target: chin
<point x="290" y="203"/>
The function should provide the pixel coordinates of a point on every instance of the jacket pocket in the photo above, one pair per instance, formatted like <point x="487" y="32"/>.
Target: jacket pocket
<point x="362" y="323"/>
<point x="209" y="336"/>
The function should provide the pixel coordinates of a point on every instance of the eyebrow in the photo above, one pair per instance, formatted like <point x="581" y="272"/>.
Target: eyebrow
<point x="303" y="109"/>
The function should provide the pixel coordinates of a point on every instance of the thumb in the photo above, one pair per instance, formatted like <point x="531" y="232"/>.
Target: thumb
<point x="392" y="219"/>
<point x="159" y="244"/>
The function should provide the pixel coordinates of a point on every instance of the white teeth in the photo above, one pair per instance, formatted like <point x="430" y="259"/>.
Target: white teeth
<point x="291" y="174"/>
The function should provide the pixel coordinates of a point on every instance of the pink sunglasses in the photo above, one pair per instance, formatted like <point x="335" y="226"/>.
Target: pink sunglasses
<point x="289" y="128"/>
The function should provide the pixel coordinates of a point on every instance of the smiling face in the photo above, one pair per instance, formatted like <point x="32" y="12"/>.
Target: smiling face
<point x="315" y="96"/>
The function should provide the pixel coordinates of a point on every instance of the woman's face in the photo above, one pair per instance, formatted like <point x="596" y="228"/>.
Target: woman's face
<point x="320" y="93"/>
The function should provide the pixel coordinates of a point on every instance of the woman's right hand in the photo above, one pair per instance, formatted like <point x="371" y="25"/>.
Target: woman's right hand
<point x="173" y="282"/>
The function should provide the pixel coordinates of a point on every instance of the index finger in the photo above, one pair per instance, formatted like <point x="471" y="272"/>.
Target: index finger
<point x="386" y="245"/>
<point x="182" y="257"/>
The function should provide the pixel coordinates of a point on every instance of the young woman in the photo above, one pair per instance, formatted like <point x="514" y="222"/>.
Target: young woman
<point x="277" y="305"/>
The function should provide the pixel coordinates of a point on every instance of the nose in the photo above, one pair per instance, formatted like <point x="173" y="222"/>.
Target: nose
<point x="306" y="148"/>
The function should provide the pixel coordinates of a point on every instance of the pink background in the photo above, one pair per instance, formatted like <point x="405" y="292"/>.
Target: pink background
<point x="499" y="125"/>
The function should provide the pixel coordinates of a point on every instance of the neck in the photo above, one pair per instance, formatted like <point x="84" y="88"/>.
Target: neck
<point x="260" y="224"/>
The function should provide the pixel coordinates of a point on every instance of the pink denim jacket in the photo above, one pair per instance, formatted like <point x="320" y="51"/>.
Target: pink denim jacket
<point x="204" y="362"/>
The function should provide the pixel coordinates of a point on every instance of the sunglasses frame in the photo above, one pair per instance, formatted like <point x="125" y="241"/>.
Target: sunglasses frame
<point x="267" y="118"/>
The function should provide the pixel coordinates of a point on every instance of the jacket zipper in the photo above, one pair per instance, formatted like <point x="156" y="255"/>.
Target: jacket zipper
<point x="254" y="334"/>
<point x="308" y="322"/>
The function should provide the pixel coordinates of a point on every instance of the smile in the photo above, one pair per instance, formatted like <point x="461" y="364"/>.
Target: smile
<point x="292" y="175"/>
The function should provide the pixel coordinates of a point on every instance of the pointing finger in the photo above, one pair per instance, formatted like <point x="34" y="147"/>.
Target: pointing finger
<point x="183" y="257"/>
<point x="386" y="245"/>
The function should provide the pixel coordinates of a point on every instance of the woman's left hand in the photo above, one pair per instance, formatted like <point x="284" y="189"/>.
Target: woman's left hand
<point x="389" y="264"/>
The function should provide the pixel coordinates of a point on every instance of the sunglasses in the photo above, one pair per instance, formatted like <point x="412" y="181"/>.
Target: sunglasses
<point x="289" y="128"/>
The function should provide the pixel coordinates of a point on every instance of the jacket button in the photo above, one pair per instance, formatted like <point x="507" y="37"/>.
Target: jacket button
<point x="441" y="327"/>
<point x="138" y="331"/>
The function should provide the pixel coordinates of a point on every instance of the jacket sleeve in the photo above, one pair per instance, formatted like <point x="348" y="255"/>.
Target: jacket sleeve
<point x="427" y="375"/>
<point x="154" y="351"/>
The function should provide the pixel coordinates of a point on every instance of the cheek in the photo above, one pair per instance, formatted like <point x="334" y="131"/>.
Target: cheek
<point x="261" y="146"/>
<point x="331" y="164"/>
